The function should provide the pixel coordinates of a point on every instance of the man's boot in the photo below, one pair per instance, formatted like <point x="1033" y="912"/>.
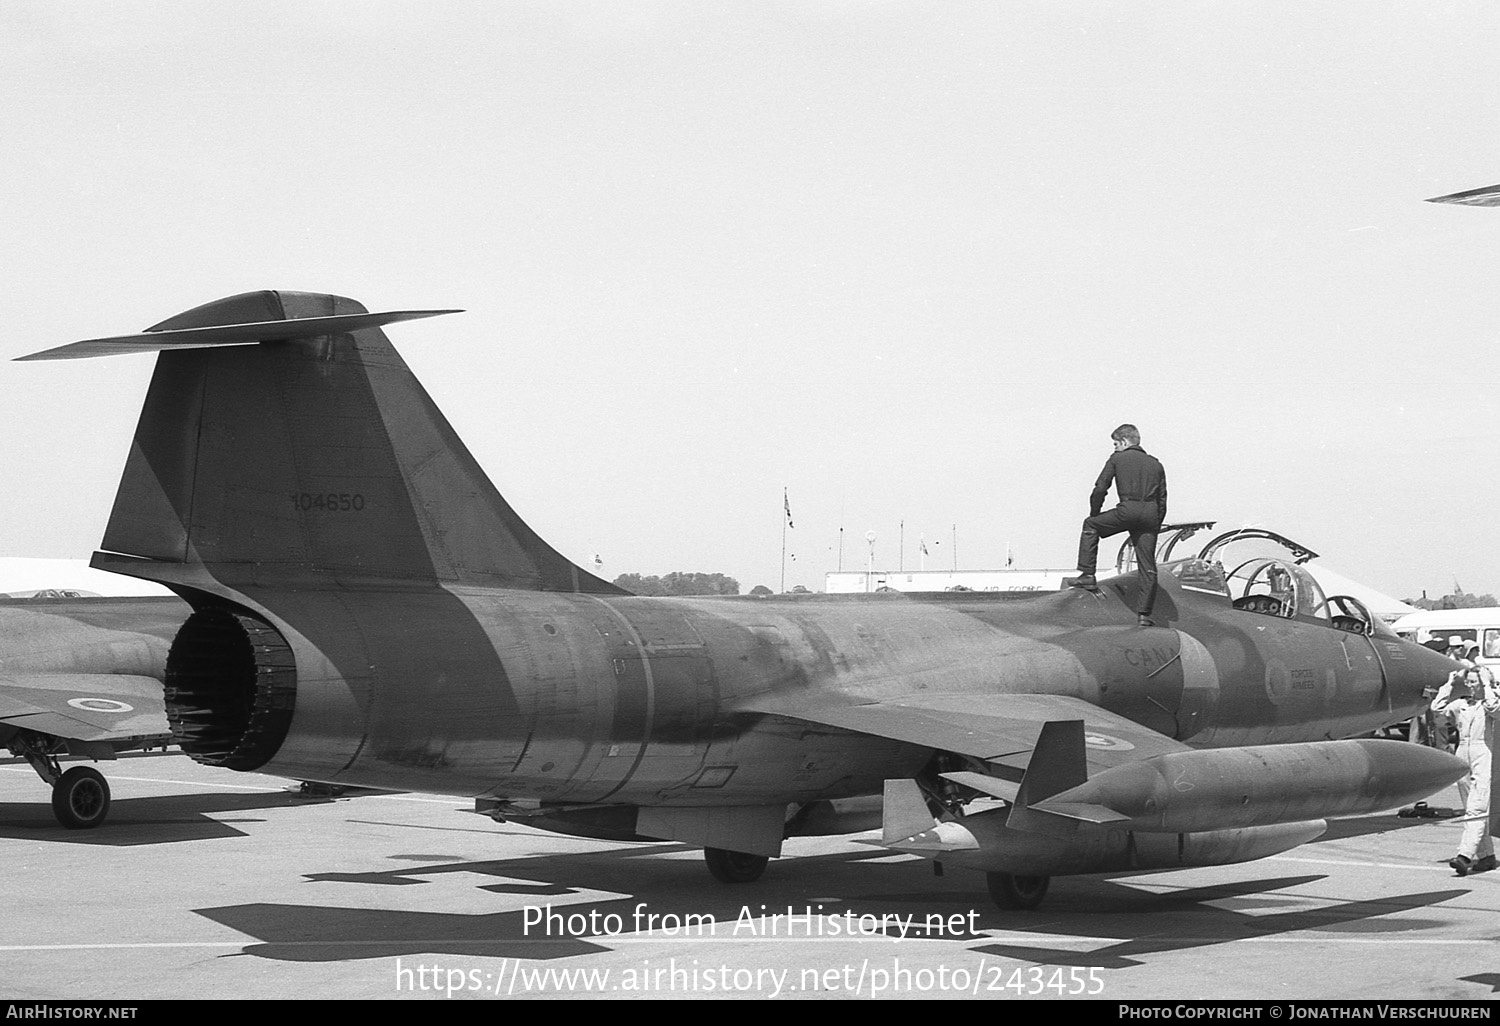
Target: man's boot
<point x="1084" y="580"/>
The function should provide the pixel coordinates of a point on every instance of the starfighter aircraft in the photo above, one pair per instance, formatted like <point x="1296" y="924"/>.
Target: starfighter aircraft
<point x="82" y="678"/>
<point x="368" y="610"/>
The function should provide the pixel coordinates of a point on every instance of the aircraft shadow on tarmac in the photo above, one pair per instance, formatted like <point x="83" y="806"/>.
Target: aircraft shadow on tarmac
<point x="1093" y="906"/>
<point x="164" y="819"/>
<point x="1185" y="919"/>
<point x="677" y="887"/>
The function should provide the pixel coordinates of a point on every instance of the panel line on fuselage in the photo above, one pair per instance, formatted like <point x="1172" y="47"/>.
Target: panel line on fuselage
<point x="650" y="705"/>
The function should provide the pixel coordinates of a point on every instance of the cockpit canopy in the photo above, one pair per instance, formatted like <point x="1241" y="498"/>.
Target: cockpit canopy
<point x="1272" y="585"/>
<point x="1276" y="587"/>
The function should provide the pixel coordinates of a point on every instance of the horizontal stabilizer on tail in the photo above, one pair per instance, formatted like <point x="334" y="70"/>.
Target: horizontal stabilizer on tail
<point x="303" y="465"/>
<point x="155" y="340"/>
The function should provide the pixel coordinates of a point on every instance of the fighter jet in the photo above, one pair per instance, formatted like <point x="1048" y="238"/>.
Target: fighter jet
<point x="368" y="610"/>
<point x="82" y="678"/>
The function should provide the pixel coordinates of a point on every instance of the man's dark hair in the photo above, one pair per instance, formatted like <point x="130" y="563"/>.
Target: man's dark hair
<point x="1126" y="433"/>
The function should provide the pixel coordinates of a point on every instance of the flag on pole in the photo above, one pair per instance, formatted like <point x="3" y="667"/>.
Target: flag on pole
<point x="924" y="547"/>
<point x="787" y="505"/>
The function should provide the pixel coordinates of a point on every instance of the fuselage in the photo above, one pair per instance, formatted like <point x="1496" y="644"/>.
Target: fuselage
<point x="604" y="699"/>
<point x="88" y="635"/>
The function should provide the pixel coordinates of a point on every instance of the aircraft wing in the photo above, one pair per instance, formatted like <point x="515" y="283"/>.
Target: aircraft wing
<point x="83" y="706"/>
<point x="999" y="729"/>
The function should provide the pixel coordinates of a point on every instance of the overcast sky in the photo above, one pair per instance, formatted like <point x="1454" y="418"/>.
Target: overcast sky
<point x="909" y="261"/>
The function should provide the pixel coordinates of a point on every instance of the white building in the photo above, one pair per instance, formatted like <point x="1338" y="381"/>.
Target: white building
<point x="848" y="582"/>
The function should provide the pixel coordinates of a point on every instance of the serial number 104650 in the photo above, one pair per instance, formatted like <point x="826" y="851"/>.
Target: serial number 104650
<point x="330" y="502"/>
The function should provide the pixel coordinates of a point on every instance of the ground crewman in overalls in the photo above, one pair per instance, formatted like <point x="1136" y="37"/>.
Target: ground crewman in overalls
<point x="1472" y="701"/>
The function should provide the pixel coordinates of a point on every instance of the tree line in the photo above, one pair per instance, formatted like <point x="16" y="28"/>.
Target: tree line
<point x="679" y="583"/>
<point x="1459" y="599"/>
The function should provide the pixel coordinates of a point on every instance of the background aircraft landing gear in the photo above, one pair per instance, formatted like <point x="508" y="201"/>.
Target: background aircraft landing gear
<point x="1013" y="892"/>
<point x="80" y="798"/>
<point x="734" y="866"/>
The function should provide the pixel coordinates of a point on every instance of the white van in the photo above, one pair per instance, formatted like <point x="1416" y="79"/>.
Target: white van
<point x="1473" y="626"/>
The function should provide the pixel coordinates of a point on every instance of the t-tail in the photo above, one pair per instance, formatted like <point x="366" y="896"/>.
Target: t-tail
<point x="285" y="443"/>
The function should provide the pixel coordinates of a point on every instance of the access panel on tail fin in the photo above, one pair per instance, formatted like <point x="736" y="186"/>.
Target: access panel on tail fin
<point x="315" y="454"/>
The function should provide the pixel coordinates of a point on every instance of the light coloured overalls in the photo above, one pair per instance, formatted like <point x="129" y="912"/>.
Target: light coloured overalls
<point x="1475" y="720"/>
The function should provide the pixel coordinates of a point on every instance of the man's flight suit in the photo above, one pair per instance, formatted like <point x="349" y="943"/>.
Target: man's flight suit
<point x="1141" y="484"/>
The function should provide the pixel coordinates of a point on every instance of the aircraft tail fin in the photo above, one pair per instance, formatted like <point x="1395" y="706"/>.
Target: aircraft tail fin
<point x="283" y="438"/>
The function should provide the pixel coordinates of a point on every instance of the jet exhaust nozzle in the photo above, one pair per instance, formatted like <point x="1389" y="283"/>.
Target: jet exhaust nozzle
<point x="231" y="684"/>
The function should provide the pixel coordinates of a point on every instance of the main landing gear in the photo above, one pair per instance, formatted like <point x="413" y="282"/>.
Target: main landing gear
<point x="80" y="797"/>
<point x="734" y="867"/>
<point x="1012" y="892"/>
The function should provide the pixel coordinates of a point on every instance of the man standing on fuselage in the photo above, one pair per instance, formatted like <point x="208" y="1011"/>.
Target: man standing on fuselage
<point x="1141" y="484"/>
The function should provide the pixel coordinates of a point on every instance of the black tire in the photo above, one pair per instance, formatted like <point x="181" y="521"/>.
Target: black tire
<point x="734" y="867"/>
<point x="1013" y="892"/>
<point x="80" y="798"/>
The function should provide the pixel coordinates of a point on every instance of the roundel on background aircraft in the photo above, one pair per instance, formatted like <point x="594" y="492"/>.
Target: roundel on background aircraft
<point x="101" y="705"/>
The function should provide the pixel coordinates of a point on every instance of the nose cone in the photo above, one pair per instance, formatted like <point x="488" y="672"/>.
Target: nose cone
<point x="1411" y="669"/>
<point x="1398" y="772"/>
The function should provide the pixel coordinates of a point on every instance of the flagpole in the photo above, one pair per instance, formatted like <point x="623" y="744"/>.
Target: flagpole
<point x="786" y="506"/>
<point x="901" y="556"/>
<point x="841" y="534"/>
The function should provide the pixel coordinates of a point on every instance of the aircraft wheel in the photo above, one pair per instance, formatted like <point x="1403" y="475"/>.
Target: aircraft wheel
<point x="1013" y="892"/>
<point x="733" y="867"/>
<point x="80" y="798"/>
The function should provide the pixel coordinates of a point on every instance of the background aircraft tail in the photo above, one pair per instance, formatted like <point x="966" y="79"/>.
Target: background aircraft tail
<point x="291" y="442"/>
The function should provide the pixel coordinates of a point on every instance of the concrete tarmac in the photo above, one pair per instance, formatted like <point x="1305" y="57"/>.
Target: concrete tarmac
<point x="212" y="884"/>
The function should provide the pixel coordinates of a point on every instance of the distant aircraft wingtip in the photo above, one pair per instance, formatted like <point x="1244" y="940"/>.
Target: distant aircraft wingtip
<point x="1485" y="196"/>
